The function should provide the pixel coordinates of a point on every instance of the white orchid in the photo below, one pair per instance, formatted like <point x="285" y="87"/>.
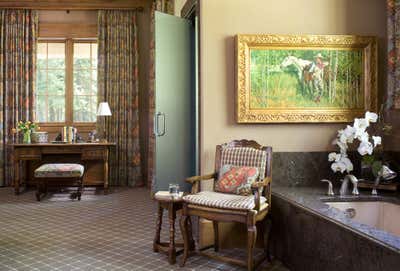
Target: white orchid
<point x="360" y="125"/>
<point x="377" y="140"/>
<point x="338" y="166"/>
<point x="341" y="162"/>
<point x="349" y="133"/>
<point x="342" y="146"/>
<point x="348" y="163"/>
<point x="371" y="116"/>
<point x="332" y="156"/>
<point x="363" y="137"/>
<point x="365" y="148"/>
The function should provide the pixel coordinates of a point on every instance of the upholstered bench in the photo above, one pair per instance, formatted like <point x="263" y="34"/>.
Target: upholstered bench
<point x="60" y="172"/>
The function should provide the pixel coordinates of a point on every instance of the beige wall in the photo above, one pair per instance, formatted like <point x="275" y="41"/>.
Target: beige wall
<point x="221" y="20"/>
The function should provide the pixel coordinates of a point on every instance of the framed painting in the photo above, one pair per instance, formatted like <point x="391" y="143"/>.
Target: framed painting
<point x="305" y="78"/>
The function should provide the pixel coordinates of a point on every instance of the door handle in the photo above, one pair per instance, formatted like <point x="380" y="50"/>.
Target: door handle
<point x="156" y="124"/>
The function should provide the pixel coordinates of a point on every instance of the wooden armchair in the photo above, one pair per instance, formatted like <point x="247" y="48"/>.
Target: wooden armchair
<point x="221" y="207"/>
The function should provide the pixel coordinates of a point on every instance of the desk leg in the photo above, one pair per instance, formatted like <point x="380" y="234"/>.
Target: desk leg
<point x="16" y="176"/>
<point x="106" y="171"/>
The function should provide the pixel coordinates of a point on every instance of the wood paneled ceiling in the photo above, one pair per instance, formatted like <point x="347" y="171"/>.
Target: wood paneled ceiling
<point x="76" y="4"/>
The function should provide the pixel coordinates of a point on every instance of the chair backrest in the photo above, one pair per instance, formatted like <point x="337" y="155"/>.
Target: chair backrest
<point x="245" y="153"/>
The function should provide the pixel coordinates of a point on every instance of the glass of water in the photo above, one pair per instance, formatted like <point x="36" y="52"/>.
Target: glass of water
<point x="174" y="189"/>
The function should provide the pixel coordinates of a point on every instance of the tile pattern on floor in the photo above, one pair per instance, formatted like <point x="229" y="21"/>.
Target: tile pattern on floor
<point x="101" y="232"/>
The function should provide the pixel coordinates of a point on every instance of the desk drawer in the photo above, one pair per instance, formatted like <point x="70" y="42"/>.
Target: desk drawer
<point x="94" y="154"/>
<point x="28" y="154"/>
<point x="61" y="150"/>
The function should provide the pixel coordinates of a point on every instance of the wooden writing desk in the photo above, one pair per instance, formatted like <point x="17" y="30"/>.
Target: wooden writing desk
<point x="31" y="156"/>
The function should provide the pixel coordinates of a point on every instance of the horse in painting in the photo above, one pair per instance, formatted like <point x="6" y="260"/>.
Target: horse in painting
<point x="299" y="66"/>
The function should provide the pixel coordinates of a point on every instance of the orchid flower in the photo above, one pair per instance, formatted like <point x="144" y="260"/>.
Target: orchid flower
<point x="338" y="166"/>
<point x="360" y="125"/>
<point x="377" y="140"/>
<point x="365" y="148"/>
<point x="332" y="156"/>
<point x="371" y="116"/>
<point x="341" y="162"/>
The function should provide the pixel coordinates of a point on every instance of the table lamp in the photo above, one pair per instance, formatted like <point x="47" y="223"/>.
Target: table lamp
<point x="104" y="111"/>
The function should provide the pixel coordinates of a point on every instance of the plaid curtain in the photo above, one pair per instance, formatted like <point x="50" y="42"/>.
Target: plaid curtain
<point x="118" y="85"/>
<point x="166" y="6"/>
<point x="18" y="36"/>
<point x="393" y="28"/>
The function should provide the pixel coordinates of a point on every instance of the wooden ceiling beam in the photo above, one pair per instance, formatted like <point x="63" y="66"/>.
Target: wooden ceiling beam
<point x="76" y="4"/>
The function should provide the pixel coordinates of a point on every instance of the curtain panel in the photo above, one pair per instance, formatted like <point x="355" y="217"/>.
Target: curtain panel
<point x="118" y="85"/>
<point x="166" y="6"/>
<point x="18" y="37"/>
<point x="393" y="30"/>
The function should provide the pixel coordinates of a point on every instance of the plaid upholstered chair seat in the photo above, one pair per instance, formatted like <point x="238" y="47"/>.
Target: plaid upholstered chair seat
<point x="225" y="201"/>
<point x="59" y="171"/>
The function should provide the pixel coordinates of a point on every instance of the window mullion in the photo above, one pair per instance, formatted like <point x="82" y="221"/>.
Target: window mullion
<point x="69" y="95"/>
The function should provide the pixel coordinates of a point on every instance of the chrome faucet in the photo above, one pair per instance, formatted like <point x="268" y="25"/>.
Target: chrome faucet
<point x="330" y="187"/>
<point x="386" y="174"/>
<point x="345" y="184"/>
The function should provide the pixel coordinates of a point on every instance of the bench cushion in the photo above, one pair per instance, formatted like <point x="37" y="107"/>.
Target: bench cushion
<point x="223" y="200"/>
<point x="59" y="171"/>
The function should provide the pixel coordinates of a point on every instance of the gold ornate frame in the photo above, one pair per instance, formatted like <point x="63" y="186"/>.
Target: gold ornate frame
<point x="244" y="114"/>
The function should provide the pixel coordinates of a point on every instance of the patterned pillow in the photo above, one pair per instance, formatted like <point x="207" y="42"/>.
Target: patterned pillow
<point x="236" y="180"/>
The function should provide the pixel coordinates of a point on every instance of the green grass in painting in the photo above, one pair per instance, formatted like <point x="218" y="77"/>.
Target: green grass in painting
<point x="275" y="86"/>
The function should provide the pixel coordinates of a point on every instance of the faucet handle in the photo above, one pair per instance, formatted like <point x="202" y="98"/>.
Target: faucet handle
<point x="354" y="180"/>
<point x="330" y="187"/>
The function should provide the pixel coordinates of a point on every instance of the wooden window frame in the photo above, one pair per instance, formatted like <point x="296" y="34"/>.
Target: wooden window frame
<point x="54" y="127"/>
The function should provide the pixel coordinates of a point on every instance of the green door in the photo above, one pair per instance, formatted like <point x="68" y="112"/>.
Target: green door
<point x="174" y="120"/>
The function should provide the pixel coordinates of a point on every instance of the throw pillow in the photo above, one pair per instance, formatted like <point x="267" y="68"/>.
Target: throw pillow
<point x="236" y="180"/>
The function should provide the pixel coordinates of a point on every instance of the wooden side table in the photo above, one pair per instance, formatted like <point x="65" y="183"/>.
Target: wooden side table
<point x="172" y="205"/>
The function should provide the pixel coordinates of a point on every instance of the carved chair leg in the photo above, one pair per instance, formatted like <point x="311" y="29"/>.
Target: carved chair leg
<point x="184" y="229"/>
<point x="172" y="250"/>
<point x="192" y="244"/>
<point x="251" y="242"/>
<point x="268" y="223"/>
<point x="158" y="229"/>
<point x="216" y="237"/>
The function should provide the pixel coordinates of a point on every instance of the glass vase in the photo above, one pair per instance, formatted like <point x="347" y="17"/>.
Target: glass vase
<point x="27" y="137"/>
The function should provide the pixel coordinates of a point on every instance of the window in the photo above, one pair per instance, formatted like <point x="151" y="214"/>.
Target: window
<point x="66" y="88"/>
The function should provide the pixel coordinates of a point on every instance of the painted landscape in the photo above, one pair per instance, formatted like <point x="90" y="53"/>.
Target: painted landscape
<point x="303" y="78"/>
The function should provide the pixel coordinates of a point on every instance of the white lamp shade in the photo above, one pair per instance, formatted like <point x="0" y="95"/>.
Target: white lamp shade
<point x="103" y="109"/>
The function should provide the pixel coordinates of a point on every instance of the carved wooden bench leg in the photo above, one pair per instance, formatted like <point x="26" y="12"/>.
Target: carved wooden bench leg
<point x="40" y="189"/>
<point x="80" y="188"/>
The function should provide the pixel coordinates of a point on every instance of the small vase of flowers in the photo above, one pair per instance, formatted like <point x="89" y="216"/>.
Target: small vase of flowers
<point x="27" y="128"/>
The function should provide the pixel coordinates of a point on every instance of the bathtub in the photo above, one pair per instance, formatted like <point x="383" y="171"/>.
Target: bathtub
<point x="381" y="215"/>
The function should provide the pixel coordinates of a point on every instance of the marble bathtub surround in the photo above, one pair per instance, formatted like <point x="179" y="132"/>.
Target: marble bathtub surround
<point x="309" y="235"/>
<point x="314" y="200"/>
